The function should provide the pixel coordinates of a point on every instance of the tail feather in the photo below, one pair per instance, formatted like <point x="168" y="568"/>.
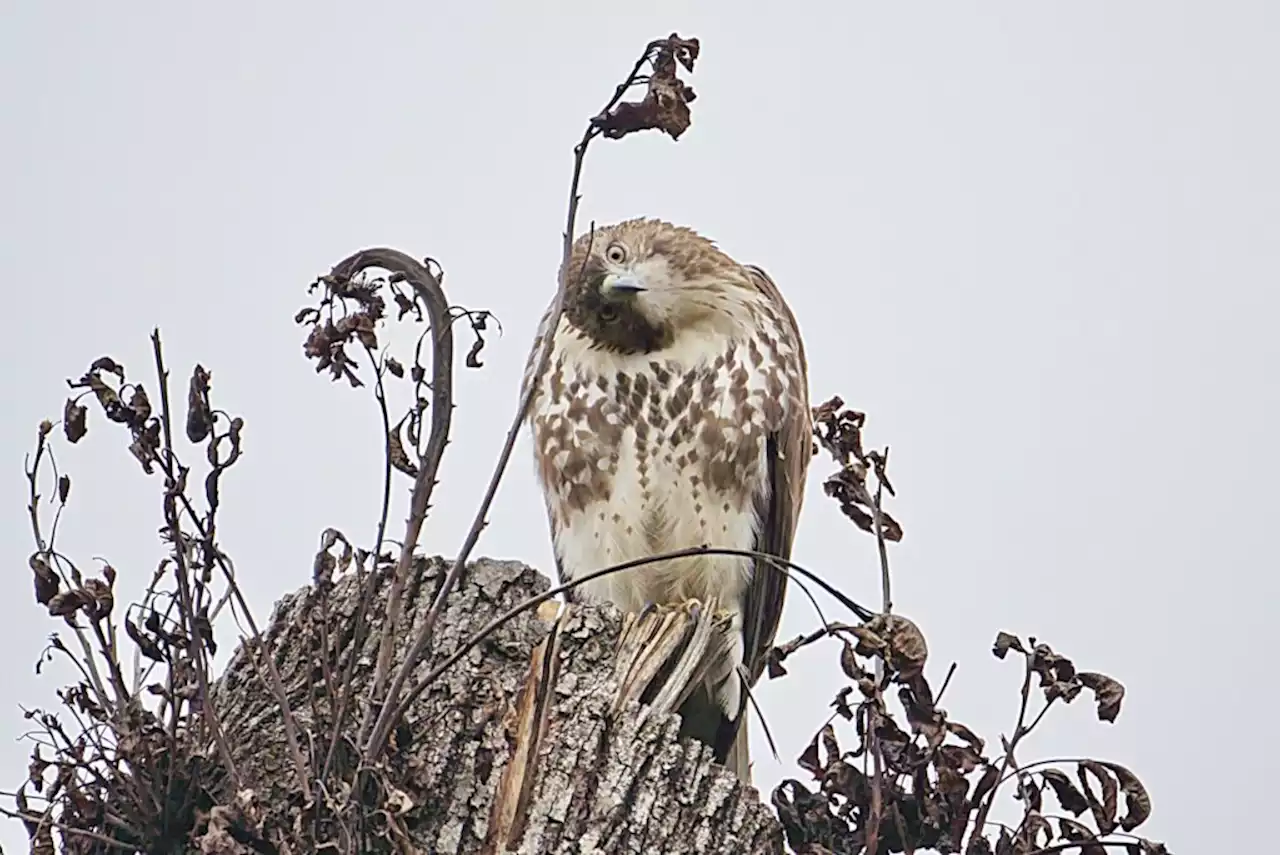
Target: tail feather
<point x="703" y="718"/>
<point x="738" y="760"/>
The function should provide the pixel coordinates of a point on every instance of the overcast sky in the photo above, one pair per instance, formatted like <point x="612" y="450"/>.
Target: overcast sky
<point x="1037" y="243"/>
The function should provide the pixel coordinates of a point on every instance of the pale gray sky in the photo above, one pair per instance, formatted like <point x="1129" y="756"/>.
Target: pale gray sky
<point x="1036" y="242"/>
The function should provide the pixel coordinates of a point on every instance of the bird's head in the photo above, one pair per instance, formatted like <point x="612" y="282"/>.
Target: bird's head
<point x="634" y="286"/>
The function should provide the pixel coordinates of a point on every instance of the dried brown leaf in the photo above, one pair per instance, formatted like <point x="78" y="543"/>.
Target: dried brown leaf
<point x="665" y="106"/>
<point x="75" y="420"/>
<point x="1057" y="674"/>
<point x="1006" y="642"/>
<point x="106" y="363"/>
<point x="905" y="648"/>
<point x="829" y="742"/>
<point x="976" y="742"/>
<point x="140" y="406"/>
<point x="869" y="641"/>
<point x="985" y="785"/>
<point x="204" y="632"/>
<point x="844" y="779"/>
<point x="479" y="323"/>
<point x="47" y="582"/>
<point x="399" y="458"/>
<point x="809" y="760"/>
<point x="962" y="758"/>
<point x="146" y="646"/>
<point x="1067" y="690"/>
<point x="146" y="446"/>
<point x="848" y="487"/>
<point x="36" y="769"/>
<point x="405" y="305"/>
<point x="99" y="598"/>
<point x="199" y="412"/>
<point x="1104" y="809"/>
<point x="1034" y="826"/>
<point x="849" y="663"/>
<point x="364" y="330"/>
<point x="1071" y="799"/>
<point x="1029" y="792"/>
<point x="978" y="845"/>
<point x="1137" y="801"/>
<point x="841" y="703"/>
<point x="67" y="602"/>
<point x="1069" y="829"/>
<point x="924" y="718"/>
<point x="1107" y="691"/>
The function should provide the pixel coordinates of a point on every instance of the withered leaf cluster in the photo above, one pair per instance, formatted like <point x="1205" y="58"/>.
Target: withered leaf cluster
<point x="351" y="312"/>
<point x="121" y="402"/>
<point x="665" y="106"/>
<point x="1058" y="676"/>
<point x="918" y="780"/>
<point x="348" y="313"/>
<point x="839" y="432"/>
<point x="139" y="765"/>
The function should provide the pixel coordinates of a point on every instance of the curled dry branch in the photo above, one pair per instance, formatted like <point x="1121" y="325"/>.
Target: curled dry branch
<point x="327" y="344"/>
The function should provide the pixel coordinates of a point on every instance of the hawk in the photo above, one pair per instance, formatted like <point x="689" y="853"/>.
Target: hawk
<point x="674" y="413"/>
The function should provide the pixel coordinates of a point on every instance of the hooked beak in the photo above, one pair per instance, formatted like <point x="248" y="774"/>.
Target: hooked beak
<point x="624" y="284"/>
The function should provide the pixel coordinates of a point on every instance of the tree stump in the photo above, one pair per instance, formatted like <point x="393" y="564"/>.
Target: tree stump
<point x="557" y="733"/>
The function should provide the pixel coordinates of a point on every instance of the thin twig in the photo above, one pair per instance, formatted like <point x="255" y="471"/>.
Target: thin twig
<point x="886" y="593"/>
<point x="195" y="644"/>
<point x="877" y="522"/>
<point x="255" y="642"/>
<point x="877" y="764"/>
<point x="391" y="702"/>
<point x="66" y="829"/>
<point x="981" y="819"/>
<point x="946" y="681"/>
<point x="1036" y="764"/>
<point x="343" y="700"/>
<point x="45" y="550"/>
<point x="1035" y="721"/>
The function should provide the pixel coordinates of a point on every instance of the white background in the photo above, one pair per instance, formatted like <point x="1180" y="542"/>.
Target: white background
<point x="1036" y="242"/>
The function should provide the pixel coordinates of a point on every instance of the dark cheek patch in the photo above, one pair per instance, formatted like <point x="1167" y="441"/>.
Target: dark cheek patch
<point x="614" y="325"/>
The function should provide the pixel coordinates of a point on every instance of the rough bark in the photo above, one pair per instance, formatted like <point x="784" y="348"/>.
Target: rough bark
<point x="555" y="734"/>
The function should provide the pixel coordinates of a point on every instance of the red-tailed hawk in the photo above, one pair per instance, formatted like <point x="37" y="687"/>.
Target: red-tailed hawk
<point x="674" y="413"/>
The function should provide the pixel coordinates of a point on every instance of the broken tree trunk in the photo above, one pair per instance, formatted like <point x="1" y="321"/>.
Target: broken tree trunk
<point x="555" y="734"/>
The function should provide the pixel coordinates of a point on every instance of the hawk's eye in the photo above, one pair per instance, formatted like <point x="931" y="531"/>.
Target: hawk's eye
<point x="616" y="253"/>
<point x="608" y="313"/>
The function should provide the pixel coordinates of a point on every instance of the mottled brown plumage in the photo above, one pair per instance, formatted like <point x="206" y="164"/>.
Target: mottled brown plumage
<point x="674" y="413"/>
